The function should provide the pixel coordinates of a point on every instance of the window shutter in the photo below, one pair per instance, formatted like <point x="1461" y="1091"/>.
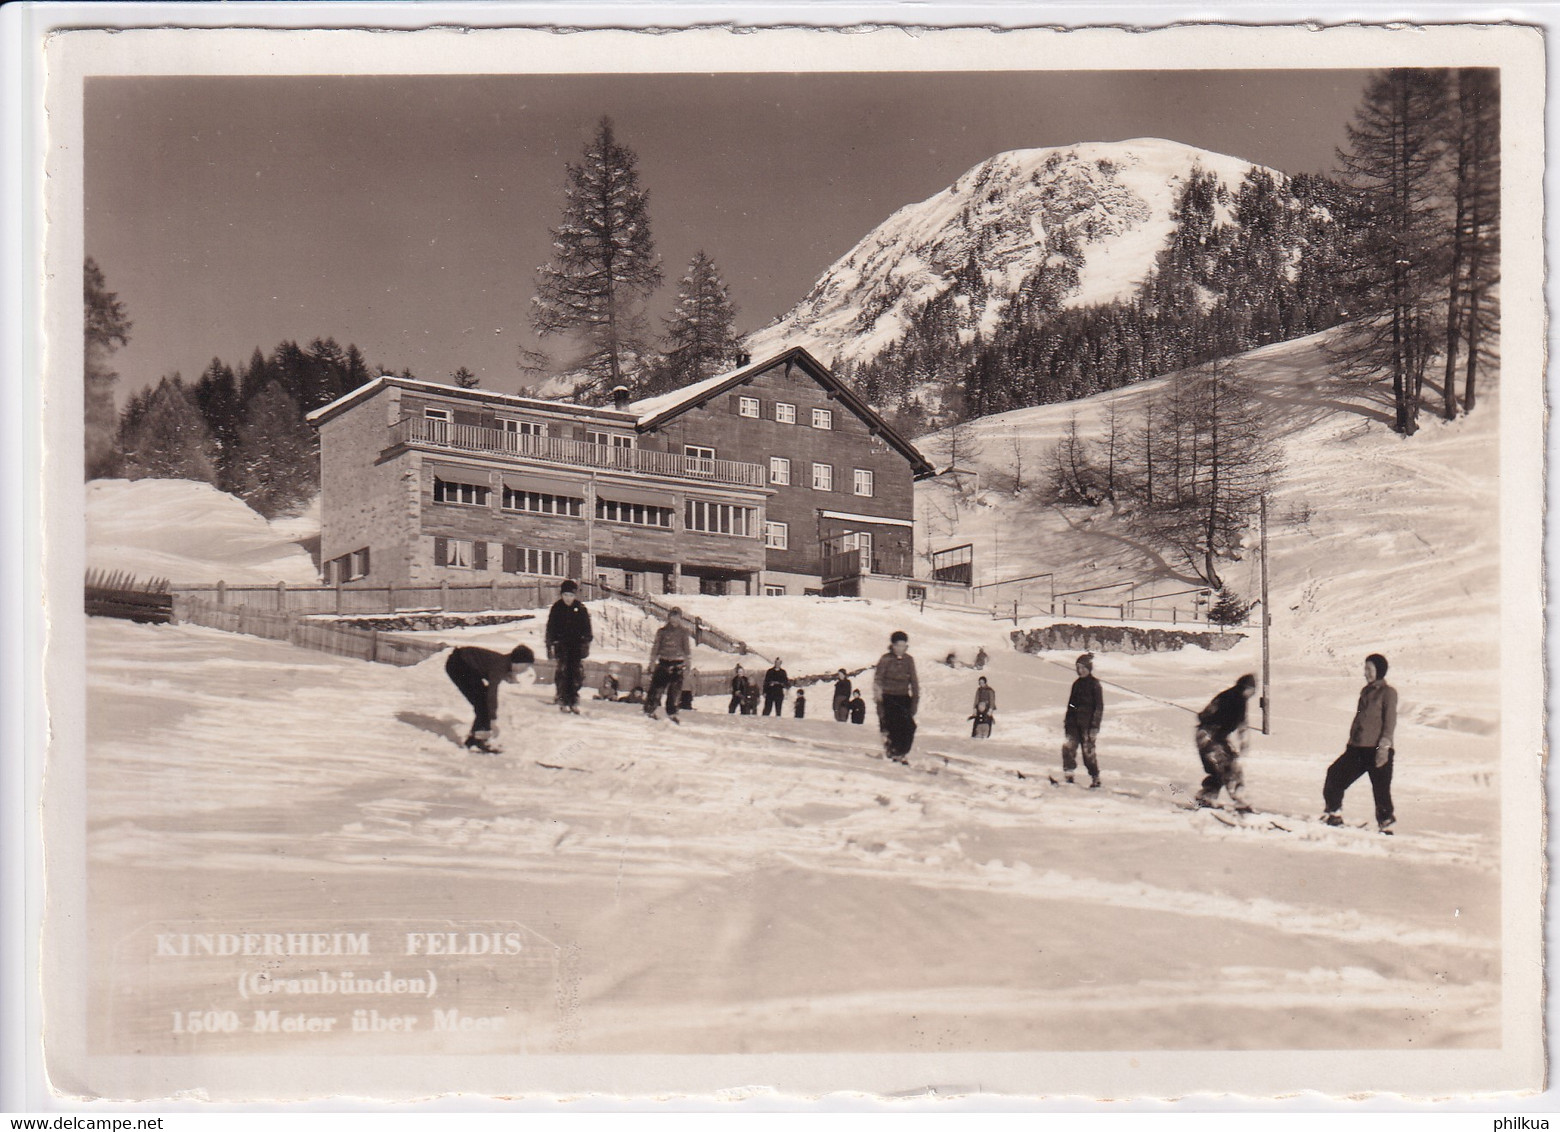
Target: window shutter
<point x="511" y="559"/>
<point x="467" y="418"/>
<point x="479" y="560"/>
<point x="441" y="551"/>
<point x="575" y="564"/>
<point x="734" y="403"/>
<point x="365" y="561"/>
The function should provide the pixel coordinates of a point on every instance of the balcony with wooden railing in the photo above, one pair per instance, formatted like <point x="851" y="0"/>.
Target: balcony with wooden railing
<point x="855" y="563"/>
<point x="449" y="437"/>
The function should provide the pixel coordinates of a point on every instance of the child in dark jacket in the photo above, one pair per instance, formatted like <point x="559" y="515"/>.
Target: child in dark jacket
<point x="478" y="673"/>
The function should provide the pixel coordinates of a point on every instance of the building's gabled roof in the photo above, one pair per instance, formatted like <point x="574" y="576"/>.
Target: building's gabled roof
<point x="605" y="415"/>
<point x="653" y="412"/>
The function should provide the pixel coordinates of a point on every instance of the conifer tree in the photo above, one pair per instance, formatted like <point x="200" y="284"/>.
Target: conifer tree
<point x="277" y="465"/>
<point x="701" y="338"/>
<point x="1478" y="108"/>
<point x="165" y="437"/>
<point x="465" y="379"/>
<point x="604" y="263"/>
<point x="216" y="396"/>
<point x="1397" y="265"/>
<point x="107" y="328"/>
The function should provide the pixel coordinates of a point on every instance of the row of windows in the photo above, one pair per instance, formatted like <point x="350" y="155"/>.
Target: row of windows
<point x="864" y="482"/>
<point x="718" y="518"/>
<point x="784" y="412"/>
<point x="535" y="428"/>
<point x="698" y="514"/>
<point x="472" y="554"/>
<point x="541" y="503"/>
<point x="640" y="514"/>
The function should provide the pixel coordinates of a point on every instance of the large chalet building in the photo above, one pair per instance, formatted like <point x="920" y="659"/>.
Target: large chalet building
<point x="774" y="478"/>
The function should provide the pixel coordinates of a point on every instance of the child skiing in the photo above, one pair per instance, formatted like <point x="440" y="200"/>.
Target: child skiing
<point x="1081" y="728"/>
<point x="1369" y="750"/>
<point x="775" y="683"/>
<point x="739" y="689"/>
<point x="668" y="655"/>
<point x="985" y="708"/>
<point x="1221" y="741"/>
<point x="842" y="690"/>
<point x="568" y="643"/>
<point x="898" y="694"/>
<point x="478" y="673"/>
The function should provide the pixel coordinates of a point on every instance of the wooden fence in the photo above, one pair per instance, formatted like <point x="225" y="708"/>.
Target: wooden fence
<point x="118" y="594"/>
<point x="338" y="640"/>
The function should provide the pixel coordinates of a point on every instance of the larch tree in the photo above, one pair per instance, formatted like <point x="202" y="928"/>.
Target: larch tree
<point x="1397" y="264"/>
<point x="701" y="338"/>
<point x="604" y="263"/>
<point x="107" y="328"/>
<point x="1478" y="108"/>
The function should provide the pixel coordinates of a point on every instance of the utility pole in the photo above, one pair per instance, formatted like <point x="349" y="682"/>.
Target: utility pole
<point x="1267" y="617"/>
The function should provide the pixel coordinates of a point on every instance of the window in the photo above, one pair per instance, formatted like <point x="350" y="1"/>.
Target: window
<point x="747" y="406"/>
<point x="529" y="560"/>
<point x="359" y="564"/>
<point x="777" y="536"/>
<point x="717" y="518"/>
<point x="523" y="428"/>
<point x="542" y="503"/>
<point x="785" y="414"/>
<point x="447" y="491"/>
<point x="460" y="553"/>
<point x="823" y="477"/>
<point x="864" y="481"/>
<point x="610" y="439"/>
<point x="699" y="460"/>
<point x="436" y="425"/>
<point x="822" y="418"/>
<point x="774" y="591"/>
<point x="779" y="470"/>
<point x="640" y="514"/>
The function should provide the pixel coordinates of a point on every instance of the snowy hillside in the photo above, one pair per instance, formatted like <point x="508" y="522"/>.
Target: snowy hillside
<point x="1377" y="543"/>
<point x="1113" y="199"/>
<point x="186" y="531"/>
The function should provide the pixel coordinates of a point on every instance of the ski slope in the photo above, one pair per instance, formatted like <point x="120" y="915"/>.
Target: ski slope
<point x="755" y="885"/>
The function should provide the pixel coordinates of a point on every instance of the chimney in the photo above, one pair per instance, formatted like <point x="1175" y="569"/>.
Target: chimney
<point x="620" y="398"/>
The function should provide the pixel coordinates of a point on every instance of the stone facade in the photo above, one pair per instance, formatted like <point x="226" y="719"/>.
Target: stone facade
<point x="413" y="479"/>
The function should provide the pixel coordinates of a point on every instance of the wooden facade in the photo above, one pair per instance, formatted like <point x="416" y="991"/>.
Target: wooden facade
<point x="686" y="492"/>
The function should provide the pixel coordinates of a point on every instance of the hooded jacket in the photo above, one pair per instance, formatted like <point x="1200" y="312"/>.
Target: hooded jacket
<point x="1375" y="718"/>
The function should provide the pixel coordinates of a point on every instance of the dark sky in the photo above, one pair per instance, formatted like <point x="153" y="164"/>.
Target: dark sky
<point x="409" y="214"/>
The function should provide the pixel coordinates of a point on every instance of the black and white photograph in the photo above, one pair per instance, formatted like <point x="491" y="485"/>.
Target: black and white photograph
<point x="644" y="565"/>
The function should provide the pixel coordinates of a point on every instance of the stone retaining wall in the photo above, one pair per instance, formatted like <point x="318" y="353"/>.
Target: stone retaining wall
<point x="1118" y="638"/>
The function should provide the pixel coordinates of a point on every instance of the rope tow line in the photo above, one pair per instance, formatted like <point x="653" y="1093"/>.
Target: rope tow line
<point x="1124" y="688"/>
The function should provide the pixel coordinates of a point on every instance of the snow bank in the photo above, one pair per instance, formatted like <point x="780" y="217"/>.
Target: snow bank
<point x="187" y="531"/>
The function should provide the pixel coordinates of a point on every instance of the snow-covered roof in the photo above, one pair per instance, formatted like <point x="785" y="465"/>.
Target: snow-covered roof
<point x="536" y="404"/>
<point x="654" y="411"/>
<point x="649" y="408"/>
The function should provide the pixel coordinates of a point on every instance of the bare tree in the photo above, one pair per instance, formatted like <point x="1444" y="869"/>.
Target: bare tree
<point x="1015" y="465"/>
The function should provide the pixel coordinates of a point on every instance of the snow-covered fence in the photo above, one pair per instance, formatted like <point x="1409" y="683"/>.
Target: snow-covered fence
<point x="338" y="640"/>
<point x="364" y="600"/>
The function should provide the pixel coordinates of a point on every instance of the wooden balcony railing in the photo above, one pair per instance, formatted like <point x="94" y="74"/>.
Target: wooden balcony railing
<point x="854" y="563"/>
<point x="574" y="453"/>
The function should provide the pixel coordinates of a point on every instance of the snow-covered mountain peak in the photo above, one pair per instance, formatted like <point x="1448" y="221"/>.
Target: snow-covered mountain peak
<point x="1102" y="206"/>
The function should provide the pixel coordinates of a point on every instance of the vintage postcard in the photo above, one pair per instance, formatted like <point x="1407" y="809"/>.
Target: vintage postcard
<point x="888" y="563"/>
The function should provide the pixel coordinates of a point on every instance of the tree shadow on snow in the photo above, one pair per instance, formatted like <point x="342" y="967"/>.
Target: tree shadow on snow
<point x="443" y="728"/>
